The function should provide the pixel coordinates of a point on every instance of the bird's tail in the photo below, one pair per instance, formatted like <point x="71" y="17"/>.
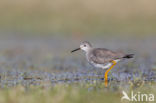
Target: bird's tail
<point x="129" y="56"/>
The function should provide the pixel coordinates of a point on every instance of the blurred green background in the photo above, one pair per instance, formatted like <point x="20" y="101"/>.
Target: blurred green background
<point x="78" y="17"/>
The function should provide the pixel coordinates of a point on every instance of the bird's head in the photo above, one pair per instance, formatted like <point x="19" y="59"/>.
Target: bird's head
<point x="85" y="46"/>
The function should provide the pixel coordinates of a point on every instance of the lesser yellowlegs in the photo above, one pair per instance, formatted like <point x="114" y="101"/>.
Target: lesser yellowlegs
<point x="101" y="57"/>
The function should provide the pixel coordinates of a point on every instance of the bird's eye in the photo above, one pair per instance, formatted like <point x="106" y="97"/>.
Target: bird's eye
<point x="84" y="45"/>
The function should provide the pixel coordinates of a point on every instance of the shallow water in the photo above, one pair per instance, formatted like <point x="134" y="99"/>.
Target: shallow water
<point x="33" y="61"/>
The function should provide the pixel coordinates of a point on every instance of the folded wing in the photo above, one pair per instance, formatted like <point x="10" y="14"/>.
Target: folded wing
<point x="102" y="55"/>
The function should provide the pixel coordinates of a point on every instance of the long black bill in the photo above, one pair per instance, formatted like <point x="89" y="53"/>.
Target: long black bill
<point x="75" y="50"/>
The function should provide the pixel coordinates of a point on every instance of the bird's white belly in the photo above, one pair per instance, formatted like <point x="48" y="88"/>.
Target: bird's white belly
<point x="104" y="66"/>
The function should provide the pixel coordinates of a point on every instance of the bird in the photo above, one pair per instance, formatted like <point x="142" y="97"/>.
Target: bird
<point x="102" y="57"/>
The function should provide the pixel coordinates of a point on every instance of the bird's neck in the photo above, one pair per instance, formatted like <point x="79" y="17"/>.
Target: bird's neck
<point x="88" y="50"/>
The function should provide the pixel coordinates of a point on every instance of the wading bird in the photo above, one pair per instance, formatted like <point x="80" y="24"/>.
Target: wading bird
<point x="102" y="58"/>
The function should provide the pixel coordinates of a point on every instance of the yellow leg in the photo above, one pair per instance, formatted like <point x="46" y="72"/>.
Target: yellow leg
<point x="106" y="73"/>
